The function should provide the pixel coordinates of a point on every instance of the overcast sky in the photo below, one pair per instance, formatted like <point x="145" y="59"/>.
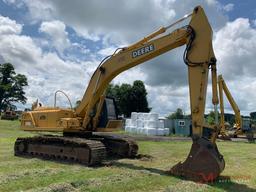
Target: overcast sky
<point x="58" y="44"/>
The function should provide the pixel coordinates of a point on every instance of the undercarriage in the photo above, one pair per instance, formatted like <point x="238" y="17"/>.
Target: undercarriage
<point x="85" y="150"/>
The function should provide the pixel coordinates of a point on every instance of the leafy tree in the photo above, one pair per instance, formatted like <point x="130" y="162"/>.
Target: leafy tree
<point x="253" y="115"/>
<point x="11" y="87"/>
<point x="129" y="98"/>
<point x="187" y="116"/>
<point x="124" y="99"/>
<point x="139" y="97"/>
<point x="178" y="114"/>
<point x="112" y="90"/>
<point x="210" y="119"/>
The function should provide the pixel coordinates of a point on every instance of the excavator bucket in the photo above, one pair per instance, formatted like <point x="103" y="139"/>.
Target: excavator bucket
<point x="203" y="164"/>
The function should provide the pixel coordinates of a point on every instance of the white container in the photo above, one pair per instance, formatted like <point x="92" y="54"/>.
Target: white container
<point x="166" y="131"/>
<point x="145" y="116"/>
<point x="127" y="129"/>
<point x="140" y="123"/>
<point x="151" y="131"/>
<point x="160" y="124"/>
<point x="160" y="131"/>
<point x="134" y="116"/>
<point x="140" y="126"/>
<point x="140" y="130"/>
<point x="128" y="122"/>
<point x="140" y="116"/>
<point x="151" y="124"/>
<point x="133" y="129"/>
<point x="133" y="123"/>
<point x="144" y="131"/>
<point x="153" y="117"/>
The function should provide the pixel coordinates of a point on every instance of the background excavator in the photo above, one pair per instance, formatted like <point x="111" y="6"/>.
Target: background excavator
<point x="239" y="127"/>
<point x="80" y="141"/>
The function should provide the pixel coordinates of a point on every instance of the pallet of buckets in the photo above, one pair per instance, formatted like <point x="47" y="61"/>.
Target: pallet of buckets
<point x="146" y="124"/>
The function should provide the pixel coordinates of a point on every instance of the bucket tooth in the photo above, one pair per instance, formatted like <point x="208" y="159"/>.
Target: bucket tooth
<point x="203" y="164"/>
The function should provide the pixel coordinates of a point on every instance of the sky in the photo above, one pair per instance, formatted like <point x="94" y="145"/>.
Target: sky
<point x="58" y="44"/>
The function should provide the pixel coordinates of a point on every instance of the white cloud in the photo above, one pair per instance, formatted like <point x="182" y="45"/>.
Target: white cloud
<point x="129" y="22"/>
<point x="166" y="99"/>
<point x="39" y="10"/>
<point x="19" y="50"/>
<point x="254" y="22"/>
<point x="235" y="47"/>
<point x="117" y="23"/>
<point x="9" y="1"/>
<point x="8" y="26"/>
<point x="120" y="22"/>
<point x="17" y="3"/>
<point x="1" y="59"/>
<point x="211" y="2"/>
<point x="107" y="51"/>
<point x="46" y="72"/>
<point x="228" y="7"/>
<point x="131" y="75"/>
<point x="57" y="33"/>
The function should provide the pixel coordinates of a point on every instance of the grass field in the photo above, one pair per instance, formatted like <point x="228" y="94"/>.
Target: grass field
<point x="24" y="174"/>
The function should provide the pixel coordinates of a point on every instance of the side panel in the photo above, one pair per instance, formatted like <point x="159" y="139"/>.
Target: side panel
<point x="45" y="120"/>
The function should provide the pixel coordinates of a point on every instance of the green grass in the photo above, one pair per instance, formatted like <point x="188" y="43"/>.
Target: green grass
<point x="31" y="174"/>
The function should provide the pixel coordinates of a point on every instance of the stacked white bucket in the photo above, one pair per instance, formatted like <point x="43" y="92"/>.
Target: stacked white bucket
<point x="146" y="124"/>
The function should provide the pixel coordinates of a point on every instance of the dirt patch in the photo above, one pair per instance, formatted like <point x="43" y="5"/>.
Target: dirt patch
<point x="144" y="157"/>
<point x="79" y="183"/>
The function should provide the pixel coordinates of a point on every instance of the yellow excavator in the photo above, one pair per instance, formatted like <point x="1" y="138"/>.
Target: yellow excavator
<point x="80" y="141"/>
<point x="238" y="128"/>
